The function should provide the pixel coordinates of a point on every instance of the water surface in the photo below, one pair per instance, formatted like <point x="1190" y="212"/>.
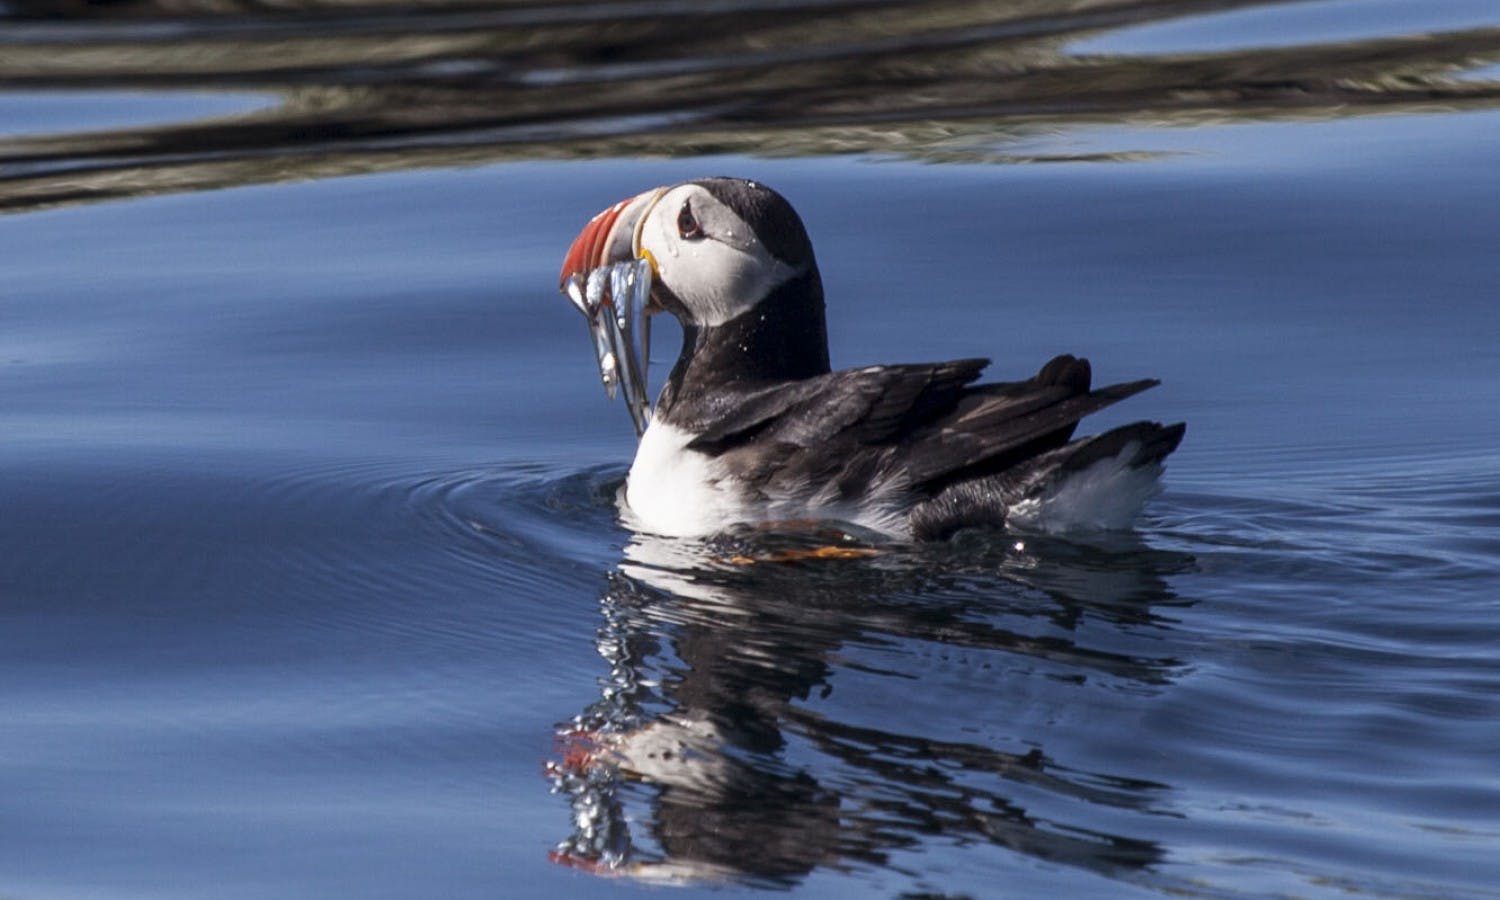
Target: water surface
<point x="313" y="582"/>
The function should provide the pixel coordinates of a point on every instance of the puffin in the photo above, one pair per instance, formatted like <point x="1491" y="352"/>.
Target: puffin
<point x="754" y="427"/>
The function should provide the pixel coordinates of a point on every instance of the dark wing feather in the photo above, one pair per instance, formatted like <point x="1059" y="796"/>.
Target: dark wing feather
<point x="994" y="431"/>
<point x="925" y="424"/>
<point x="865" y="405"/>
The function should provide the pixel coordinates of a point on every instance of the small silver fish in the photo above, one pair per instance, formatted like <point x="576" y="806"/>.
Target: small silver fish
<point x="642" y="333"/>
<point x="613" y="301"/>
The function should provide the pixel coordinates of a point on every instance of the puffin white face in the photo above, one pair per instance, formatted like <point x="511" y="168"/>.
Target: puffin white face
<point x="728" y="257"/>
<point x="706" y="256"/>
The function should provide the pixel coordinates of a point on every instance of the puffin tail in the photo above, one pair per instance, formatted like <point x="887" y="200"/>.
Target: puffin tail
<point x="1135" y="445"/>
<point x="1095" y="483"/>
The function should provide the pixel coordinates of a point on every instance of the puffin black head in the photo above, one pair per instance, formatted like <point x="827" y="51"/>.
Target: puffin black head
<point x="718" y="246"/>
<point x="732" y="261"/>
<point x="776" y="225"/>
<point x="721" y="246"/>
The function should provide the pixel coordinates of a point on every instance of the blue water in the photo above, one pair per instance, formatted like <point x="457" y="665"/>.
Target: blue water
<point x="312" y="582"/>
<point x="1292" y="24"/>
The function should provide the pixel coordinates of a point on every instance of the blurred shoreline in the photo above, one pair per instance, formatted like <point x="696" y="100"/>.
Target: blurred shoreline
<point x="381" y="86"/>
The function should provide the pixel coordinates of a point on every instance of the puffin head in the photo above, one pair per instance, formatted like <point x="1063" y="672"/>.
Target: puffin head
<point x="718" y="247"/>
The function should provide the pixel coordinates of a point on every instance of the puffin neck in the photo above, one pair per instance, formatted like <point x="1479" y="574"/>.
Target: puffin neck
<point x="782" y="338"/>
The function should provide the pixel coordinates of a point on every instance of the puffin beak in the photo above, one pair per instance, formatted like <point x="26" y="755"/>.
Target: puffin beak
<point x="610" y="237"/>
<point x="607" y="276"/>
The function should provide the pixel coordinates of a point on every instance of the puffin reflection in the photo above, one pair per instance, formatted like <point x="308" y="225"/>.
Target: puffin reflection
<point x="711" y="756"/>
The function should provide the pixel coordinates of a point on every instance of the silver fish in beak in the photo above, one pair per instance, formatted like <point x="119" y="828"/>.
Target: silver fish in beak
<point x="613" y="301"/>
<point x="609" y="281"/>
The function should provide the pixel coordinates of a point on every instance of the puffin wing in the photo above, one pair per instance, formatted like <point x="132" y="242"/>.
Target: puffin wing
<point x="868" y="405"/>
<point x="924" y="424"/>
<point x="995" y="427"/>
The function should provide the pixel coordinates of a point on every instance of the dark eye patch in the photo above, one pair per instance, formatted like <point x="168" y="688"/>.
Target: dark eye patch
<point x="777" y="226"/>
<point x="687" y="226"/>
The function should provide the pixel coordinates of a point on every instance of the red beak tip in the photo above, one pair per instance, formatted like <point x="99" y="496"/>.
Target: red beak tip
<point x="588" y="249"/>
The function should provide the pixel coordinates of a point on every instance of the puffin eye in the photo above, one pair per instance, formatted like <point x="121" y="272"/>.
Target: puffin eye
<point x="687" y="226"/>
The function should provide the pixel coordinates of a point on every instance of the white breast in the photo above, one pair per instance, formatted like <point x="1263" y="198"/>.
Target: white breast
<point x="675" y="491"/>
